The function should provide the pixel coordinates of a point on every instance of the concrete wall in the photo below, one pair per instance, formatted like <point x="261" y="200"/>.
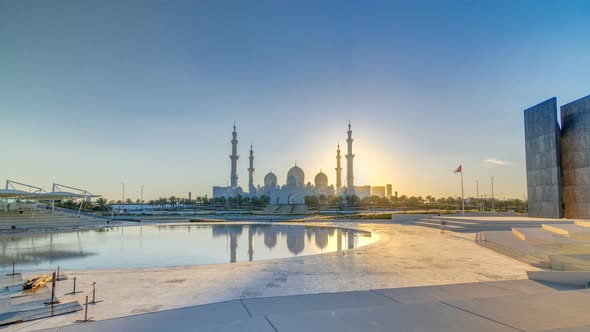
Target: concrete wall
<point x="542" y="144"/>
<point x="575" y="157"/>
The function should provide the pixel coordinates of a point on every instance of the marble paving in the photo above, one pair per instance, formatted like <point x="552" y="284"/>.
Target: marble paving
<point x="528" y="306"/>
<point x="405" y="256"/>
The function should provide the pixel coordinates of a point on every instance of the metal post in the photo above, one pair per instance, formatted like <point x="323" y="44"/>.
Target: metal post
<point x="141" y="208"/>
<point x="493" y="210"/>
<point x="53" y="201"/>
<point x="58" y="272"/>
<point x="80" y="209"/>
<point x="53" y="289"/>
<point x="478" y="202"/>
<point x="74" y="291"/>
<point x="462" y="196"/>
<point x="93" y="292"/>
<point x="86" y="310"/>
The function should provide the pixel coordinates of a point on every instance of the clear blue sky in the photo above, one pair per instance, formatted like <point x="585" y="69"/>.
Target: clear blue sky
<point x="93" y="94"/>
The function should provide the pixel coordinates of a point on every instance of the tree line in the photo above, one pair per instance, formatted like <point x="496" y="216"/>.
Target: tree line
<point x="430" y="202"/>
<point x="312" y="202"/>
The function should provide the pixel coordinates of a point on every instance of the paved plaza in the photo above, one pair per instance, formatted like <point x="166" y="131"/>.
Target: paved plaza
<point x="404" y="256"/>
<point x="520" y="305"/>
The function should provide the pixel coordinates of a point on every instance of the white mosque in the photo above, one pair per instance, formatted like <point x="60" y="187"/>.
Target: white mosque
<point x="295" y="189"/>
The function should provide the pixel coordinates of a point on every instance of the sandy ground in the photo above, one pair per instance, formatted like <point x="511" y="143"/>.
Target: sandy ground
<point x="404" y="256"/>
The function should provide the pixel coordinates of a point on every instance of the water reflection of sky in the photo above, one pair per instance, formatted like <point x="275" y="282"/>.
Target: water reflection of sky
<point x="173" y="245"/>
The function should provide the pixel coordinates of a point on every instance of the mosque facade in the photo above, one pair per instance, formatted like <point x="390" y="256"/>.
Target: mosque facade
<point x="294" y="189"/>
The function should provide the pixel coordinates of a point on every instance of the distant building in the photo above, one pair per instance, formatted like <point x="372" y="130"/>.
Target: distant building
<point x="389" y="191"/>
<point x="362" y="191"/>
<point x="226" y="192"/>
<point x="378" y="191"/>
<point x="557" y="159"/>
<point x="295" y="189"/>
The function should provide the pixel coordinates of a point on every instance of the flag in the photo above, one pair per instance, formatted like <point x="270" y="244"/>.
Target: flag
<point x="458" y="170"/>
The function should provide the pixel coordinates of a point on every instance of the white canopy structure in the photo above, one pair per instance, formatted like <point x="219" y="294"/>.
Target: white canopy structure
<point x="13" y="193"/>
<point x="59" y="195"/>
<point x="38" y="194"/>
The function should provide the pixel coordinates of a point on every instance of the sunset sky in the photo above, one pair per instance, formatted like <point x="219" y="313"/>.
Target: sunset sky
<point x="94" y="94"/>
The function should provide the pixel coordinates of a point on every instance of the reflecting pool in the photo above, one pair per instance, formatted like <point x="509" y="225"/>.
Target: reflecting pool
<point x="174" y="245"/>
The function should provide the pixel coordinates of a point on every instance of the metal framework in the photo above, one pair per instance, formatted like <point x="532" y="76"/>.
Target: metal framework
<point x="59" y="191"/>
<point x="81" y="192"/>
<point x="32" y="189"/>
<point x="10" y="185"/>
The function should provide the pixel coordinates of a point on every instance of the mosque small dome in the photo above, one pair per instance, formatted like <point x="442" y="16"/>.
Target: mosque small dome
<point x="321" y="180"/>
<point x="270" y="180"/>
<point x="296" y="177"/>
<point x="270" y="239"/>
<point x="296" y="242"/>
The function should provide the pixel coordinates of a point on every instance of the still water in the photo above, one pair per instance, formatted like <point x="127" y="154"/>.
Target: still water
<point x="173" y="245"/>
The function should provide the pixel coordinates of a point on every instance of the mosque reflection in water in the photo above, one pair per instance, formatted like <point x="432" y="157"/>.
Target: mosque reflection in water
<point x="173" y="245"/>
<point x="295" y="236"/>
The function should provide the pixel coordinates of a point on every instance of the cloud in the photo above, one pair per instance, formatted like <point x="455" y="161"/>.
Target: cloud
<point x="495" y="161"/>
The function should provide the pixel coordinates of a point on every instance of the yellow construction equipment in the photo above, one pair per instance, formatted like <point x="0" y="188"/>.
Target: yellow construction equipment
<point x="37" y="282"/>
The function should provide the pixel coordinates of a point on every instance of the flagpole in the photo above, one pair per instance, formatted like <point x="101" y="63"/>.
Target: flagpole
<point x="478" y="202"/>
<point x="462" y="197"/>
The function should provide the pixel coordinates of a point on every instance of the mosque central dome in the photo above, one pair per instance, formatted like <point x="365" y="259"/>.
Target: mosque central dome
<point x="270" y="180"/>
<point x="321" y="180"/>
<point x="296" y="177"/>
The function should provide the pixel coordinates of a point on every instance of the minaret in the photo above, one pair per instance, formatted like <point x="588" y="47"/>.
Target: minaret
<point x="338" y="172"/>
<point x="234" y="159"/>
<point x="251" y="173"/>
<point x="349" y="157"/>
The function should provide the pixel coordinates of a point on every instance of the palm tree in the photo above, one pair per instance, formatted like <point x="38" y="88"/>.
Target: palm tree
<point x="102" y="204"/>
<point x="172" y="201"/>
<point x="403" y="199"/>
<point x="247" y="201"/>
<point x="163" y="201"/>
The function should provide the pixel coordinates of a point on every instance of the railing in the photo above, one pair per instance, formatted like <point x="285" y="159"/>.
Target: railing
<point x="76" y="212"/>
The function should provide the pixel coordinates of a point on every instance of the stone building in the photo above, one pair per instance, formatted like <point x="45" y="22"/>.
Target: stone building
<point x="558" y="159"/>
<point x="542" y="146"/>
<point x="575" y="158"/>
